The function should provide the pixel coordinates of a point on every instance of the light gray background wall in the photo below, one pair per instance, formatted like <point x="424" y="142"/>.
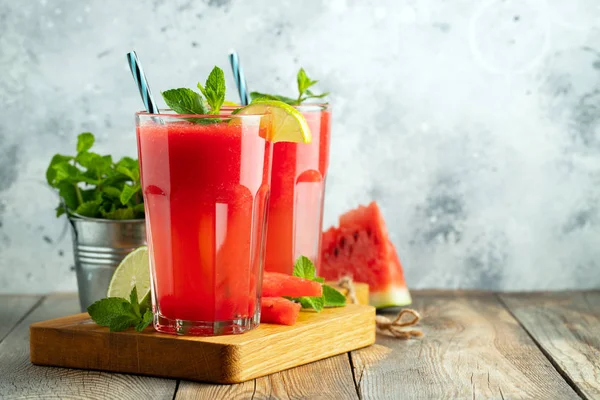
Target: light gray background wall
<point x="474" y="124"/>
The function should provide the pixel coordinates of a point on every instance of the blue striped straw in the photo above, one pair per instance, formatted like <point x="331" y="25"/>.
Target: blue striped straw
<point x="142" y="83"/>
<point x="240" y="79"/>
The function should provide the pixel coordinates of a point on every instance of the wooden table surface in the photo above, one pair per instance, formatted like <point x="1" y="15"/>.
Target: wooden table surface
<point x="476" y="345"/>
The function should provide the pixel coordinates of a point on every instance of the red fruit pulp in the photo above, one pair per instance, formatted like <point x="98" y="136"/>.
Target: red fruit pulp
<point x="276" y="284"/>
<point x="360" y="247"/>
<point x="277" y="310"/>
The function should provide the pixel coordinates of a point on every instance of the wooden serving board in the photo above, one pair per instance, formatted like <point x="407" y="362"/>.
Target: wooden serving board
<point x="77" y="342"/>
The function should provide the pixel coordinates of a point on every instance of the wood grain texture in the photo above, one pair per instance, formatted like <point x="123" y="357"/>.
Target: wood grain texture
<point x="20" y="379"/>
<point x="472" y="348"/>
<point x="566" y="326"/>
<point x="326" y="379"/>
<point x="77" y="342"/>
<point x="12" y="309"/>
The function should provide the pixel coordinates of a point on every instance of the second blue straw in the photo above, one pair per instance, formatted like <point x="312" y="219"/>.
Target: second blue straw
<point x="240" y="79"/>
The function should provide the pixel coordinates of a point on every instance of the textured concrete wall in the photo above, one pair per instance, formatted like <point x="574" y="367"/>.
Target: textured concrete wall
<point x="474" y="124"/>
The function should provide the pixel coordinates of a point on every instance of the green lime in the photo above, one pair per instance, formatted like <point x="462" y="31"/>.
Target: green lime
<point x="134" y="270"/>
<point x="287" y="123"/>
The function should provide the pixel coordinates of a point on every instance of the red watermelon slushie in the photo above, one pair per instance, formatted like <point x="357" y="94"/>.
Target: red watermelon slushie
<point x="205" y="181"/>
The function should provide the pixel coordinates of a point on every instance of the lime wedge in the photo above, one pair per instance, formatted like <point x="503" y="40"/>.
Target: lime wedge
<point x="287" y="123"/>
<point x="134" y="270"/>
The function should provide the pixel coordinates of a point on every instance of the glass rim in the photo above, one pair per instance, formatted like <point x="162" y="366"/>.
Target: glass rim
<point x="319" y="107"/>
<point x="169" y="113"/>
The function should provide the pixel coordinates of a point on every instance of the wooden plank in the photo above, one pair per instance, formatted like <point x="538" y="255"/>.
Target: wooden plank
<point x="20" y="379"/>
<point x="326" y="379"/>
<point x="12" y="309"/>
<point x="566" y="326"/>
<point x="472" y="348"/>
<point x="77" y="342"/>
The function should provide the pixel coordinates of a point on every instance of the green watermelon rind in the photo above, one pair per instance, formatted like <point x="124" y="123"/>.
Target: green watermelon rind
<point x="392" y="297"/>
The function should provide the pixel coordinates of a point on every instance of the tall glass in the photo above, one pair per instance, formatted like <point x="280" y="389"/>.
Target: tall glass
<point x="205" y="181"/>
<point x="297" y="193"/>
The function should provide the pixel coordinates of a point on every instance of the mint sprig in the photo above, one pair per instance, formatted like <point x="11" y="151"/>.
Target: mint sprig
<point x="184" y="101"/>
<point x="92" y="185"/>
<point x="304" y="268"/>
<point x="214" y="90"/>
<point x="304" y="92"/>
<point x="187" y="101"/>
<point x="119" y="314"/>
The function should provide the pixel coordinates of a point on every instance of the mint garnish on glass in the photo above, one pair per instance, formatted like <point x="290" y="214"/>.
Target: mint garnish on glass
<point x="304" y="93"/>
<point x="304" y="268"/>
<point x="187" y="101"/>
<point x="119" y="314"/>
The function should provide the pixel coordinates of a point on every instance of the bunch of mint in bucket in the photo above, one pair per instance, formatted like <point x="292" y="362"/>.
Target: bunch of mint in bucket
<point x="92" y="185"/>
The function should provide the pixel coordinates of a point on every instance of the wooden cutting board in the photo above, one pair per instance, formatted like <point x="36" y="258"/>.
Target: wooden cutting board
<point x="77" y="342"/>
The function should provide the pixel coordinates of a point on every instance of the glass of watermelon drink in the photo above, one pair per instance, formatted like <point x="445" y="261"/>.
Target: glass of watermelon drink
<point x="205" y="182"/>
<point x="297" y="194"/>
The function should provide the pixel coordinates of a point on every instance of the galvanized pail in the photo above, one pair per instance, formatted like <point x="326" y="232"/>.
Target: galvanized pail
<point x="99" y="245"/>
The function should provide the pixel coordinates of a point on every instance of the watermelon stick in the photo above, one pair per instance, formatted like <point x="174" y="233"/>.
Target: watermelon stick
<point x="276" y="284"/>
<point x="277" y="310"/>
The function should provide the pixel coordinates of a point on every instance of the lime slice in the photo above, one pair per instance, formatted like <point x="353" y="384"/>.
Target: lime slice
<point x="134" y="270"/>
<point x="230" y="103"/>
<point x="288" y="124"/>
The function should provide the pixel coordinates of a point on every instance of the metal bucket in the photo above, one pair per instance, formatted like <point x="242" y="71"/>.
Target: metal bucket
<point x="99" y="245"/>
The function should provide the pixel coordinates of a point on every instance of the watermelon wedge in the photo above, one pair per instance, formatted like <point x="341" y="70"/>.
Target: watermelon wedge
<point x="360" y="247"/>
<point x="276" y="284"/>
<point x="277" y="310"/>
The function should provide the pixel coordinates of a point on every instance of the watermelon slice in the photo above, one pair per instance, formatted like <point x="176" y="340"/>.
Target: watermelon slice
<point x="277" y="310"/>
<point x="360" y="247"/>
<point x="276" y="284"/>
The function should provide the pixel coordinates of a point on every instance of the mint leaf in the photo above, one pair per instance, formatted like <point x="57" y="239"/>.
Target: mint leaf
<point x="128" y="192"/>
<point x="214" y="90"/>
<point x="65" y="172"/>
<point x="146" y="320"/>
<point x="304" y="268"/>
<point x="68" y="194"/>
<point x="128" y="163"/>
<point x="85" y="141"/>
<point x="119" y="314"/>
<point x="60" y="210"/>
<point x="95" y="163"/>
<point x="135" y="304"/>
<point x="184" y="101"/>
<point x="51" y="171"/>
<point x="130" y="173"/>
<point x="147" y="305"/>
<point x="88" y="209"/>
<point x="263" y="96"/>
<point x="120" y="323"/>
<point x="332" y="297"/>
<point x="304" y="82"/>
<point x="120" y="214"/>
<point x="316" y="303"/>
<point x="112" y="192"/>
<point x="105" y="310"/>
